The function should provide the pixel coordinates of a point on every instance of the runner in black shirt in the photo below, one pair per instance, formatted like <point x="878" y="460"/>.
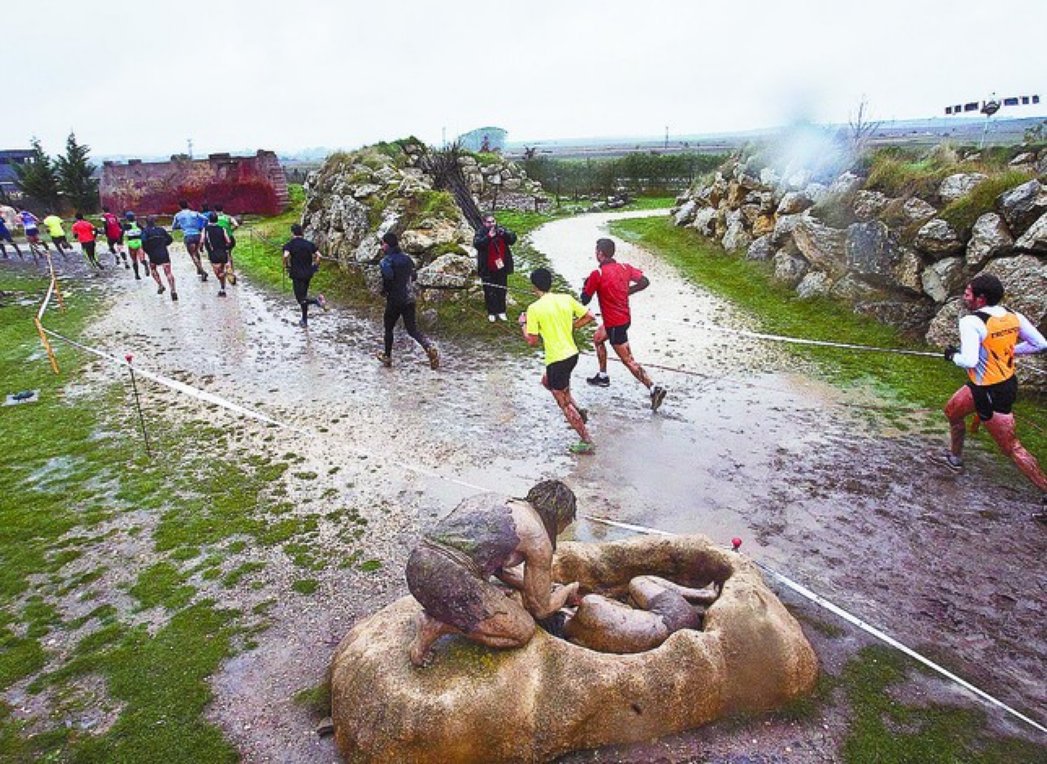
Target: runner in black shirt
<point x="302" y="259"/>
<point x="216" y="242"/>
<point x="155" y="241"/>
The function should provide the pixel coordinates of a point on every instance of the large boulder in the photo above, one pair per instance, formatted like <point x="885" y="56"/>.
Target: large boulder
<point x="789" y="266"/>
<point x="943" y="278"/>
<point x="944" y="327"/>
<point x="911" y="316"/>
<point x="845" y="185"/>
<point x="794" y="202"/>
<point x="959" y="185"/>
<point x="872" y="252"/>
<point x="448" y="277"/>
<point x="760" y="249"/>
<point x="939" y="239"/>
<point x="1022" y="205"/>
<point x="784" y="227"/>
<point x="822" y="245"/>
<point x="1034" y="239"/>
<point x="907" y="271"/>
<point x="685" y="214"/>
<point x="916" y="210"/>
<point x="989" y="238"/>
<point x="534" y="703"/>
<point x="736" y="236"/>
<point x="705" y="221"/>
<point x="814" y="284"/>
<point x="1024" y="278"/>
<point x="869" y="204"/>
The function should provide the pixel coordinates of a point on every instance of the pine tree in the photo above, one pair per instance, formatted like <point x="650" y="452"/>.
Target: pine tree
<point x="38" y="178"/>
<point x="74" y="176"/>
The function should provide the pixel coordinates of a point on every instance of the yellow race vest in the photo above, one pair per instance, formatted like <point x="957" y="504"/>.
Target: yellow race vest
<point x="996" y="354"/>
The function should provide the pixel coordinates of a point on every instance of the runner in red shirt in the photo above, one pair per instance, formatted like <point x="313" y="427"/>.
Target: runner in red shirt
<point x="85" y="233"/>
<point x="613" y="282"/>
<point x="114" y="236"/>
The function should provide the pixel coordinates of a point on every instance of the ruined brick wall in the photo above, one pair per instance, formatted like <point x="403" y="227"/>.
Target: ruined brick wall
<point x="243" y="184"/>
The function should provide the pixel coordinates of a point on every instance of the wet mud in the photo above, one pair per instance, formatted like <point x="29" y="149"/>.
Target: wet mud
<point x="746" y="444"/>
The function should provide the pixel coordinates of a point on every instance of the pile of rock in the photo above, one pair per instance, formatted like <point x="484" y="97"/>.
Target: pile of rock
<point x="895" y="259"/>
<point x="355" y="198"/>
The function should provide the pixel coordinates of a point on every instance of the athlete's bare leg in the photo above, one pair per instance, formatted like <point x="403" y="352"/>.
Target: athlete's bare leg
<point x="154" y="271"/>
<point x="1001" y="428"/>
<point x="570" y="412"/>
<point x="630" y="363"/>
<point x="600" y="341"/>
<point x="959" y="407"/>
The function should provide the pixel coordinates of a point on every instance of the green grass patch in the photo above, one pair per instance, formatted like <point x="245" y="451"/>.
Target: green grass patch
<point x="316" y="699"/>
<point x="915" y="381"/>
<point x="162" y="584"/>
<point x="963" y="212"/>
<point x="306" y="585"/>
<point x="884" y="730"/>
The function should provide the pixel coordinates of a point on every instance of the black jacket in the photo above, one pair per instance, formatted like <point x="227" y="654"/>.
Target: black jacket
<point x="482" y="242"/>
<point x="155" y="241"/>
<point x="398" y="278"/>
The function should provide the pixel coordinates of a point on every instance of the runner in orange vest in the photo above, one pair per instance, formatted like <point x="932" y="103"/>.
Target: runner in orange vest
<point x="990" y="337"/>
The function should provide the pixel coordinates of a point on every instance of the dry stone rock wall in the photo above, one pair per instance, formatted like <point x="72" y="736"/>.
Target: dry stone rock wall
<point x="355" y="198"/>
<point x="899" y="261"/>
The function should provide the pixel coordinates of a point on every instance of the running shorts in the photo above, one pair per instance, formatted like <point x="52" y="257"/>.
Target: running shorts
<point x="134" y="243"/>
<point x="558" y="374"/>
<point x="59" y="241"/>
<point x="113" y="242"/>
<point x="218" y="256"/>
<point x="32" y="235"/>
<point x="994" y="399"/>
<point x="618" y="335"/>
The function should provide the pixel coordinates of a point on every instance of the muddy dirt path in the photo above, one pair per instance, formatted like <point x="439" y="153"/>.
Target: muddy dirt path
<point x="760" y="450"/>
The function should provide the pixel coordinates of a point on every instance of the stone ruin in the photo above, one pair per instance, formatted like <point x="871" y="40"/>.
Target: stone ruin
<point x="475" y="704"/>
<point x="243" y="184"/>
<point x="899" y="261"/>
<point x="355" y="198"/>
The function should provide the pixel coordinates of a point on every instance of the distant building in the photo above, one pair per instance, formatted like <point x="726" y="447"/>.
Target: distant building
<point x="483" y="139"/>
<point x="9" y="158"/>
<point x="248" y="184"/>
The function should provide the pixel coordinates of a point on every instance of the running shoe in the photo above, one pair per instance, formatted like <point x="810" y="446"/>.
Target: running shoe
<point x="1041" y="516"/>
<point x="221" y="293"/>
<point x="160" y="289"/>
<point x="321" y="301"/>
<point x="386" y="360"/>
<point x="434" y="357"/>
<point x="174" y="296"/>
<point x="657" y="396"/>
<point x="491" y="317"/>
<point x="503" y="317"/>
<point x="303" y="323"/>
<point x="599" y="380"/>
<point x="946" y="459"/>
<point x="581" y="447"/>
<point x="203" y="276"/>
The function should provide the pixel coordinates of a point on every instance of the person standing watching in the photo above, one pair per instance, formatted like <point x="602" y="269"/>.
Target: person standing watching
<point x="191" y="223"/>
<point x="155" y="241"/>
<point x="553" y="318"/>
<point x="494" y="263"/>
<point x="301" y="261"/>
<point x="398" y="278"/>
<point x="990" y="337"/>
<point x="85" y="234"/>
<point x="612" y="283"/>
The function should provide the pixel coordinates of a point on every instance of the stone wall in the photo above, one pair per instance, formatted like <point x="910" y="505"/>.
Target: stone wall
<point x="355" y="198"/>
<point x="897" y="260"/>
<point x="252" y="184"/>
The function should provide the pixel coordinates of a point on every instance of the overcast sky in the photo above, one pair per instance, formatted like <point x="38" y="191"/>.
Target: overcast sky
<point x="142" y="77"/>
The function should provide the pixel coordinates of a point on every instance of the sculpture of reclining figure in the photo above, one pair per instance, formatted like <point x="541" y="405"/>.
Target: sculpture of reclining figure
<point x="661" y="607"/>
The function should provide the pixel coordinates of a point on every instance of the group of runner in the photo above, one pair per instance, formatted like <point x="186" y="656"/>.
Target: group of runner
<point x="138" y="247"/>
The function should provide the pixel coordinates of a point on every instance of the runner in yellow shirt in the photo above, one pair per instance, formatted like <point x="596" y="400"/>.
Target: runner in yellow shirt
<point x="53" y="223"/>
<point x="553" y="318"/>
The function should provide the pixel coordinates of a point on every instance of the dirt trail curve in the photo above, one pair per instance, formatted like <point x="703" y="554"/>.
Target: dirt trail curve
<point x="758" y="450"/>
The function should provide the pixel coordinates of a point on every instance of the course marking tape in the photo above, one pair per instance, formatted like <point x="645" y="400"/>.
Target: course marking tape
<point x="853" y="619"/>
